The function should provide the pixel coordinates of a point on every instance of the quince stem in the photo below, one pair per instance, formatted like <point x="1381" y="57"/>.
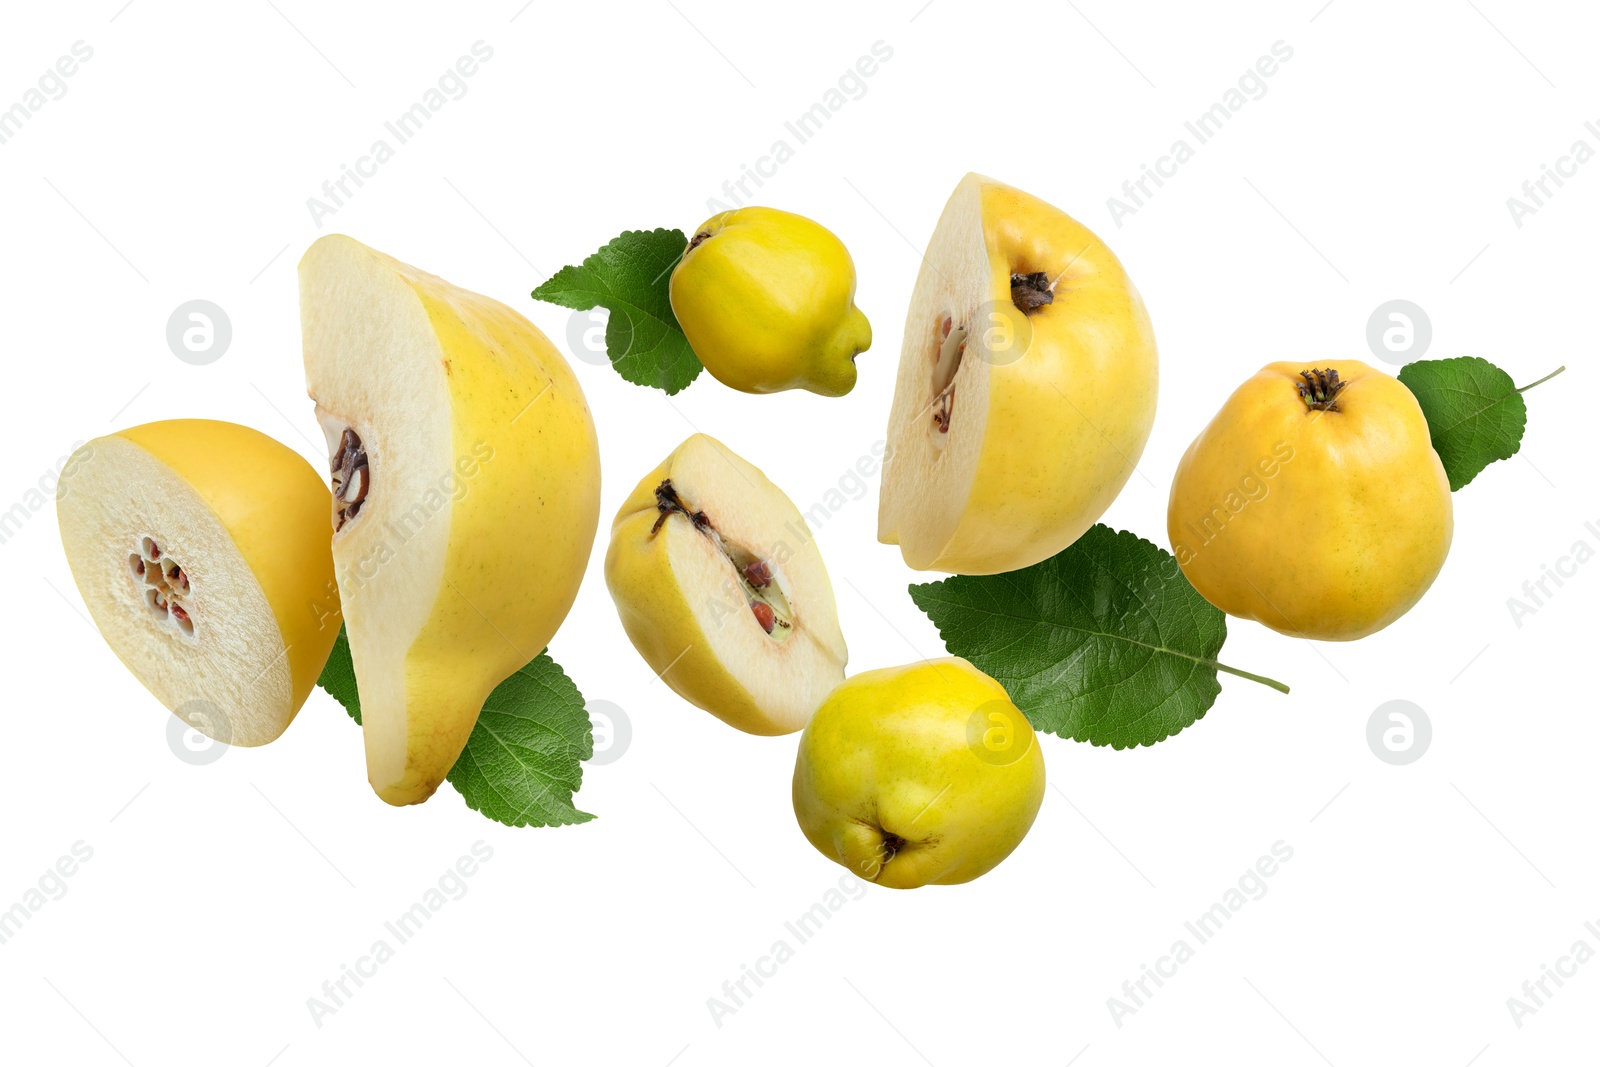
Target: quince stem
<point x="1541" y="381"/>
<point x="1268" y="682"/>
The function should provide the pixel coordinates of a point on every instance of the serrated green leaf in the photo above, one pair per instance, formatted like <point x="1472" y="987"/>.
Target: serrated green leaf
<point x="522" y="760"/>
<point x="521" y="764"/>
<point x="1104" y="642"/>
<point x="629" y="277"/>
<point x="1475" y="412"/>
<point x="339" y="677"/>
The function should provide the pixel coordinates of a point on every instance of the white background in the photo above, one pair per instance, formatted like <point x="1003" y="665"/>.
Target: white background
<point x="1377" y="166"/>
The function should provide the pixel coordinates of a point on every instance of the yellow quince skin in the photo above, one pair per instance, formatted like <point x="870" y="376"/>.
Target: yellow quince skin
<point x="1314" y="502"/>
<point x="767" y="301"/>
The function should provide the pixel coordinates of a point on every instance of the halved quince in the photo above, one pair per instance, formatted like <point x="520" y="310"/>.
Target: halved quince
<point x="1026" y="391"/>
<point x="201" y="552"/>
<point x="467" y="491"/>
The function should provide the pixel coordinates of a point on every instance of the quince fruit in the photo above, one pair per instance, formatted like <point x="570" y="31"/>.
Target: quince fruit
<point x="466" y="478"/>
<point x="767" y="301"/>
<point x="201" y="551"/>
<point x="1313" y="502"/>
<point x="918" y="775"/>
<point x="721" y="588"/>
<point x="1026" y="390"/>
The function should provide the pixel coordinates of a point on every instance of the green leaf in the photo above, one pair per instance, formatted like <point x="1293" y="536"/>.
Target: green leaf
<point x="520" y="766"/>
<point x="521" y="763"/>
<point x="629" y="277"/>
<point x="339" y="677"/>
<point x="1104" y="642"/>
<point x="1476" y="414"/>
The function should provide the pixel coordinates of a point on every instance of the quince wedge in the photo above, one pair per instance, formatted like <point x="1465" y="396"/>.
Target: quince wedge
<point x="721" y="587"/>
<point x="1026" y="389"/>
<point x="466" y="485"/>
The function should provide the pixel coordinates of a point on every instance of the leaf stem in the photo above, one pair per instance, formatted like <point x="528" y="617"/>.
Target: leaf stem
<point x="1541" y="381"/>
<point x="1269" y="682"/>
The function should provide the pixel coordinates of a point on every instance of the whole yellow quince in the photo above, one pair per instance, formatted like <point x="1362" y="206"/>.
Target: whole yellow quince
<point x="918" y="775"/>
<point x="1313" y="503"/>
<point x="767" y="301"/>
